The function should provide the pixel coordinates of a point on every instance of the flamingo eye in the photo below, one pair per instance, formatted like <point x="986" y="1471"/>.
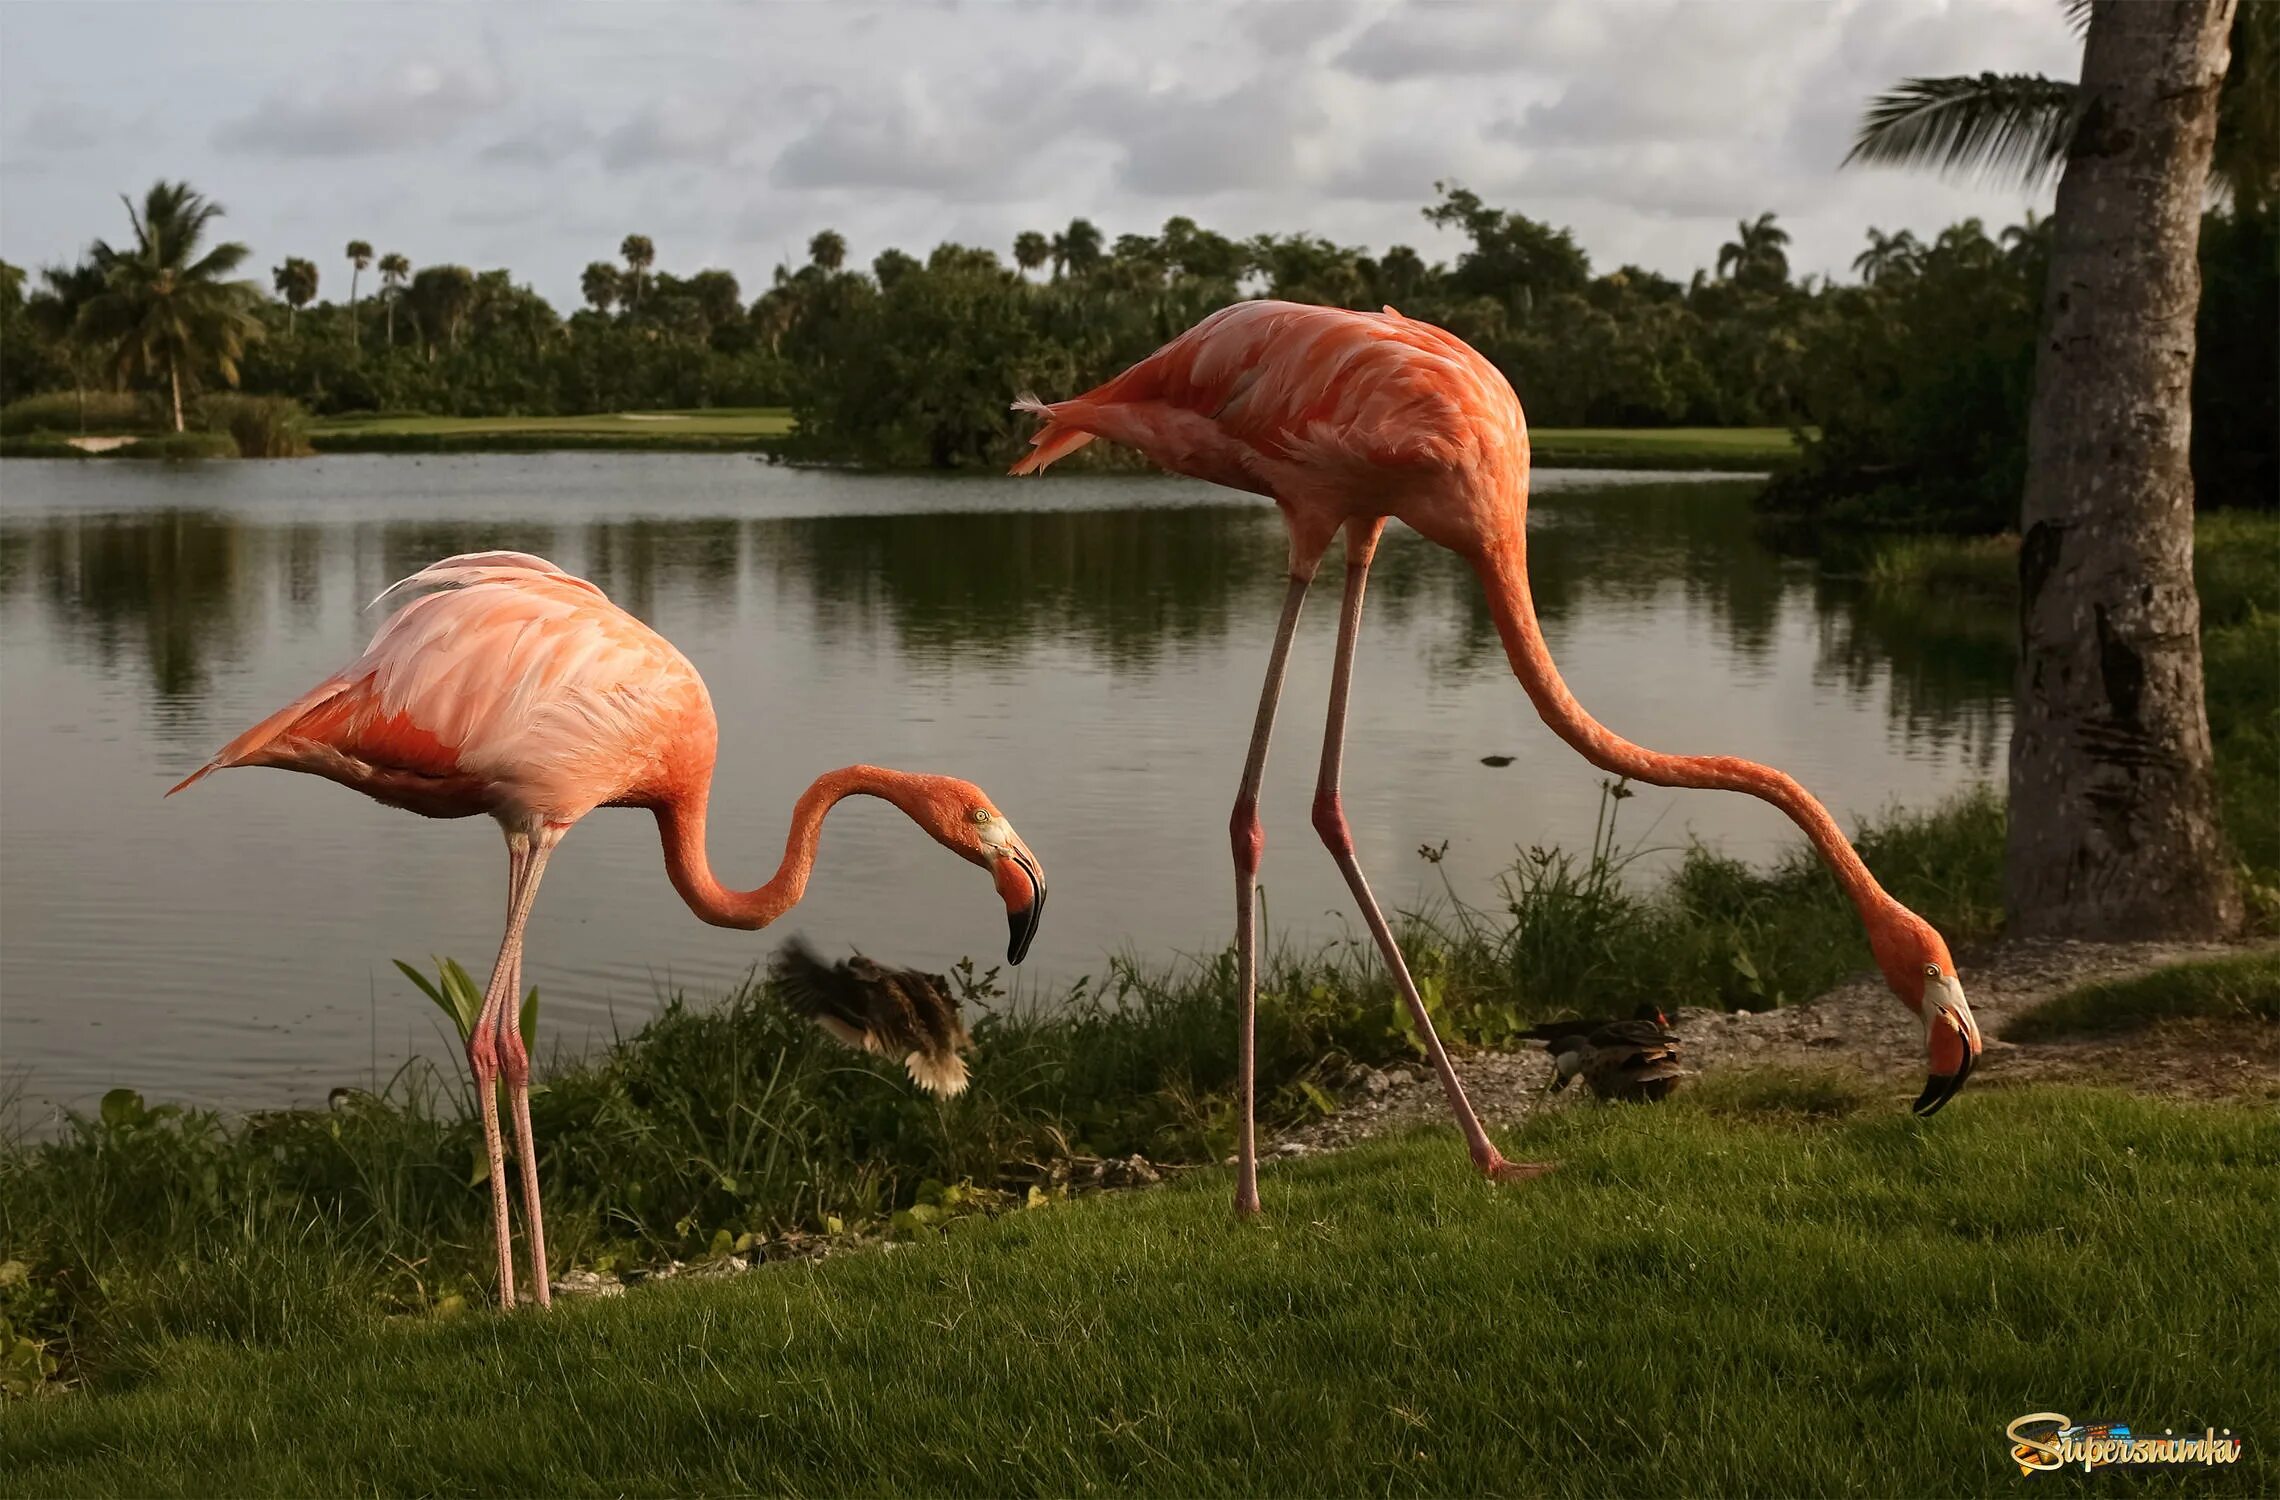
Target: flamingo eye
<point x="981" y="815"/>
<point x="1931" y="971"/>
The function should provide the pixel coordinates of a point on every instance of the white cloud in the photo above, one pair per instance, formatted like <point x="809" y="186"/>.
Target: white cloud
<point x="732" y="133"/>
<point x="411" y="101"/>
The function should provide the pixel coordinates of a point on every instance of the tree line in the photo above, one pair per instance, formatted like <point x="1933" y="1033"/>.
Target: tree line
<point x="1911" y="380"/>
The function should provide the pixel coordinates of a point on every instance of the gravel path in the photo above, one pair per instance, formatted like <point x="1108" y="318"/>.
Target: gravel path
<point x="1859" y="1026"/>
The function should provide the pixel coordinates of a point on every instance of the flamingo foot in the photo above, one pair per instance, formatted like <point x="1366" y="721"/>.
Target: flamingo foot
<point x="1495" y="1168"/>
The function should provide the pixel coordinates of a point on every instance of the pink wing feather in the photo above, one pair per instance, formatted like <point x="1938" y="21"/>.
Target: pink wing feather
<point x="505" y="681"/>
<point x="1263" y="395"/>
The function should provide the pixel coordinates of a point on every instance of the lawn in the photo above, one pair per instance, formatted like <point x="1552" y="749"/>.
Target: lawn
<point x="1689" y="447"/>
<point x="2240" y="988"/>
<point x="720" y="429"/>
<point x="1733" y="448"/>
<point x="751" y="421"/>
<point x="1775" y="1286"/>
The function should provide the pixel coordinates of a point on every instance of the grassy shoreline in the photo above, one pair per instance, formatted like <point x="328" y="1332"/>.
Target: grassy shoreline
<point x="1765" y="1287"/>
<point x="770" y="430"/>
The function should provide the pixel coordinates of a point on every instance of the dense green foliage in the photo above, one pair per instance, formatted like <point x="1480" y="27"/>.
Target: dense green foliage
<point x="1917" y="382"/>
<point x="2238" y="988"/>
<point x="1779" y="1285"/>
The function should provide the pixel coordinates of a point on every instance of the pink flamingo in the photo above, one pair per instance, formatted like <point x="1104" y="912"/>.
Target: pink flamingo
<point x="1346" y="419"/>
<point x="510" y="688"/>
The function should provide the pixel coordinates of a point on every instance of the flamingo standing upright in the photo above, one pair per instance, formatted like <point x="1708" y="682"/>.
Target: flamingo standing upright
<point x="511" y="688"/>
<point x="1348" y="419"/>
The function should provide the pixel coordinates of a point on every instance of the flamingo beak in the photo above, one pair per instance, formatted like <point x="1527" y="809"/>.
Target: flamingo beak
<point x="1953" y="1037"/>
<point x="1023" y="886"/>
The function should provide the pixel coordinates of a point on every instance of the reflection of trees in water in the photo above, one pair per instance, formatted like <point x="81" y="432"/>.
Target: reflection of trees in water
<point x="1949" y="662"/>
<point x="182" y="587"/>
<point x="165" y="584"/>
<point x="1125" y="584"/>
<point x="699" y="557"/>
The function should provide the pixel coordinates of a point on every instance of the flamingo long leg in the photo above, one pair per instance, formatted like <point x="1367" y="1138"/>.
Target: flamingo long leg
<point x="483" y="1062"/>
<point x="1249" y="841"/>
<point x="514" y="1065"/>
<point x="1330" y="823"/>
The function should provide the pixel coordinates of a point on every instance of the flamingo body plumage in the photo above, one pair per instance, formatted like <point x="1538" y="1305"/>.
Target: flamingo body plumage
<point x="1348" y="419"/>
<point x="505" y="686"/>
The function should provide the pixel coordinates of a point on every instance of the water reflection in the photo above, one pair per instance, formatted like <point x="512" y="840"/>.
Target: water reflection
<point x="1094" y="664"/>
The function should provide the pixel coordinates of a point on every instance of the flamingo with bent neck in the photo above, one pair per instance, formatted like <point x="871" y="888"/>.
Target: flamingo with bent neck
<point x="1348" y="419"/>
<point x="510" y="688"/>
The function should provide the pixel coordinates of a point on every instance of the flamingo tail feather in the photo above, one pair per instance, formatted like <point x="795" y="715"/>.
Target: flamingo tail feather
<point x="1056" y="440"/>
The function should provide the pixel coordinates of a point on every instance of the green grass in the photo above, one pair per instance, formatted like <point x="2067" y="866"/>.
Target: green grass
<point x="718" y="429"/>
<point x="1984" y="569"/>
<point x="1771" y="1288"/>
<point x="1743" y="449"/>
<point x="2242" y="987"/>
<point x="752" y="421"/>
<point x="762" y="428"/>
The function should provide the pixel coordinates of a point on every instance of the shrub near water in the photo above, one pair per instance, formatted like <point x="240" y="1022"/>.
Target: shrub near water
<point x="260" y="426"/>
<point x="69" y="412"/>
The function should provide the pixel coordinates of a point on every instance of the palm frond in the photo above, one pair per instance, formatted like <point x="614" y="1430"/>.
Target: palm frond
<point x="2013" y="127"/>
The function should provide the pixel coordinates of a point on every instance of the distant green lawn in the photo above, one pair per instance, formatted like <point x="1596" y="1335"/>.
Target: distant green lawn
<point x="754" y="421"/>
<point x="1592" y="447"/>
<point x="1773" y="1287"/>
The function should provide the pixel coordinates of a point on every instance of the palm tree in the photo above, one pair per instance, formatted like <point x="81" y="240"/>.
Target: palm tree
<point x="639" y="255"/>
<point x="440" y="297"/>
<point x="1031" y="250"/>
<point x="296" y="282"/>
<point x="1886" y="254"/>
<point x="167" y="311"/>
<point x="2017" y="127"/>
<point x="1078" y="247"/>
<point x="1756" y="254"/>
<point x="828" y="250"/>
<point x="394" y="270"/>
<point x="359" y="253"/>
<point x="55" y="311"/>
<point x="601" y="284"/>
<point x="2112" y="829"/>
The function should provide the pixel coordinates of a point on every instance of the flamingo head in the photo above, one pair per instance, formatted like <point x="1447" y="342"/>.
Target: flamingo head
<point x="962" y="818"/>
<point x="1916" y="964"/>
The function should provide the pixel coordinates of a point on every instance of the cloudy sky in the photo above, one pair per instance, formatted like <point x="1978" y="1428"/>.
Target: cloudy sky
<point x="536" y="137"/>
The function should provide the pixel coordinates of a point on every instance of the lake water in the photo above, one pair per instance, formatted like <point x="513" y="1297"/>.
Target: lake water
<point x="1087" y="649"/>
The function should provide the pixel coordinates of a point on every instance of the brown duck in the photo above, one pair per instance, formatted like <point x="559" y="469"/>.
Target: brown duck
<point x="889" y="1012"/>
<point x="1634" y="1060"/>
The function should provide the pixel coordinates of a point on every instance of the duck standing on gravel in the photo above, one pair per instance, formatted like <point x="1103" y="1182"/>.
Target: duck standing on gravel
<point x="886" y="1012"/>
<point x="1635" y="1061"/>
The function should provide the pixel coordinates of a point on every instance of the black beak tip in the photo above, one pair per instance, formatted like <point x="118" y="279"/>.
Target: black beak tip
<point x="1023" y="924"/>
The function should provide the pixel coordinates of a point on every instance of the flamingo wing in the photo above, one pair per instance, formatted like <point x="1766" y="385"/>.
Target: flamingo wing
<point x="1265" y="394"/>
<point x="505" y="683"/>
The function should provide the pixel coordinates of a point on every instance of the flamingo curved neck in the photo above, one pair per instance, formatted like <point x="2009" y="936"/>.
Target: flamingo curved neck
<point x="681" y="824"/>
<point x="1503" y="569"/>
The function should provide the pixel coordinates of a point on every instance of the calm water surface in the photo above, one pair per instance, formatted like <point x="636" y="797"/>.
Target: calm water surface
<point x="1089" y="650"/>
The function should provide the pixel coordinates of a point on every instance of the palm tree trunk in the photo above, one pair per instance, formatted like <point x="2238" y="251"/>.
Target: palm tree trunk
<point x="355" y="333"/>
<point x="174" y="381"/>
<point x="2113" y="829"/>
